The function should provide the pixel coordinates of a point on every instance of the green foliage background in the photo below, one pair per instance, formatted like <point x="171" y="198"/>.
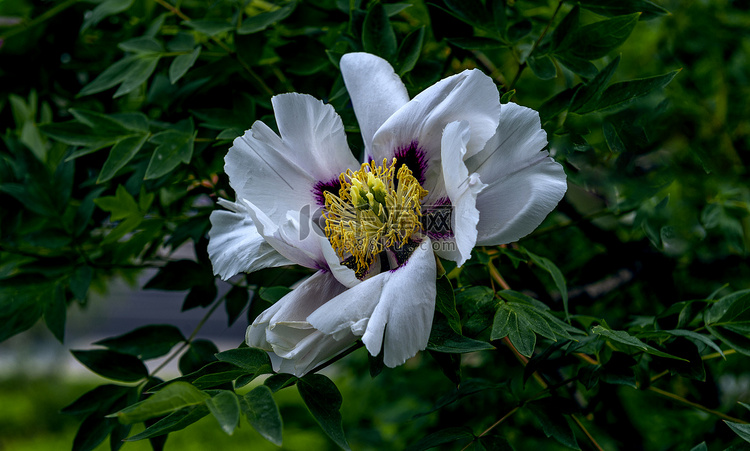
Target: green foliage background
<point x="629" y="326"/>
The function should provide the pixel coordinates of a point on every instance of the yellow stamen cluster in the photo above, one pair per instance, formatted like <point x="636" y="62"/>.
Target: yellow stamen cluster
<point x="373" y="211"/>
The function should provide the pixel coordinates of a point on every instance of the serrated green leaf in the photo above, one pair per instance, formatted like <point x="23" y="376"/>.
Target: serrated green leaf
<point x="112" y="365"/>
<point x="181" y="64"/>
<point x="323" y="399"/>
<point x="378" y="37"/>
<point x="262" y="21"/>
<point x="175" y="421"/>
<point x="263" y="413"/>
<point x="174" y="396"/>
<point x="147" y="342"/>
<point x="225" y="407"/>
<point x="120" y="155"/>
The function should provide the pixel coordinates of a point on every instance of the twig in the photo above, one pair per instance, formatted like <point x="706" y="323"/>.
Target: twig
<point x="588" y="435"/>
<point x="717" y="355"/>
<point x="536" y="44"/>
<point x="496" y="423"/>
<point x="682" y="400"/>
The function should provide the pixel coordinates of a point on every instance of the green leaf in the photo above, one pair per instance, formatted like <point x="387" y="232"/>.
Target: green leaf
<point x="441" y="437"/>
<point x="592" y="91"/>
<point x="111" y="77"/>
<point x="506" y="97"/>
<point x="198" y="355"/>
<point x="210" y="27"/>
<point x="181" y="64"/>
<point x="577" y="65"/>
<point x="251" y="360"/>
<point x="112" y="365"/>
<point x="595" y="40"/>
<point x="235" y="303"/>
<point x="621" y="94"/>
<point x="262" y="21"/>
<point x="324" y="401"/>
<point x="22" y="303"/>
<point x="138" y="73"/>
<point x="543" y="67"/>
<point x="278" y="381"/>
<point x="622" y="337"/>
<point x="101" y="123"/>
<point x="557" y="277"/>
<point x="378" y="37"/>
<point x="471" y="12"/>
<point x="98" y="399"/>
<point x="445" y="303"/>
<point x="172" y="397"/>
<point x="648" y="9"/>
<point x="55" y="313"/>
<point x="147" y="342"/>
<point x="732" y="309"/>
<point x="477" y="43"/>
<point x="121" y="205"/>
<point x="612" y="138"/>
<point x="444" y="339"/>
<point x="557" y="104"/>
<point x="105" y="9"/>
<point x="696" y="337"/>
<point x="554" y="424"/>
<point x="263" y="413"/>
<point x="120" y="155"/>
<point x="92" y="432"/>
<point x="31" y="138"/>
<point x="409" y="51"/>
<point x="273" y="294"/>
<point x="173" y="148"/>
<point x="225" y="407"/>
<point x="743" y="430"/>
<point x="175" y="421"/>
<point x="142" y="45"/>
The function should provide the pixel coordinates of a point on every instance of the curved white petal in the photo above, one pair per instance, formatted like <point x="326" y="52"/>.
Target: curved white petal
<point x="278" y="174"/>
<point x="234" y="244"/>
<point x="391" y="311"/>
<point x="524" y="184"/>
<point x="283" y="330"/>
<point x="469" y="96"/>
<point x="375" y="89"/>
<point x="462" y="189"/>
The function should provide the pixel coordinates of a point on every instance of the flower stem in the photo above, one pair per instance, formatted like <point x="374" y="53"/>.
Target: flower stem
<point x="588" y="434"/>
<point x="340" y="356"/>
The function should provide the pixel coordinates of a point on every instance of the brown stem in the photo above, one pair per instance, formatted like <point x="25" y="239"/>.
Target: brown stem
<point x="684" y="401"/>
<point x="536" y="44"/>
<point x="588" y="435"/>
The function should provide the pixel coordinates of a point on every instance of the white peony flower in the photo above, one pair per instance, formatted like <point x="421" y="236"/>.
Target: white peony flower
<point x="445" y="171"/>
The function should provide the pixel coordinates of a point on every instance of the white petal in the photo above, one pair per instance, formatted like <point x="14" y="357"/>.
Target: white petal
<point x="314" y="134"/>
<point x="524" y="184"/>
<point x="462" y="189"/>
<point x="470" y="96"/>
<point x="392" y="311"/>
<point x="283" y="330"/>
<point x="235" y="245"/>
<point x="278" y="174"/>
<point x="375" y="89"/>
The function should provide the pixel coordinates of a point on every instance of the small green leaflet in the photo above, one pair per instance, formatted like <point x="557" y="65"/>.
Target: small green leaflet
<point x="622" y="337"/>
<point x="172" y="397"/>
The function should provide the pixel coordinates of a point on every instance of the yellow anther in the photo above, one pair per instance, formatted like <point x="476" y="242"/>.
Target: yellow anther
<point x="371" y="214"/>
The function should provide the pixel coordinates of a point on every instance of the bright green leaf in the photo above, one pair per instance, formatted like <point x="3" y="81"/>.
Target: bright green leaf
<point x="169" y="399"/>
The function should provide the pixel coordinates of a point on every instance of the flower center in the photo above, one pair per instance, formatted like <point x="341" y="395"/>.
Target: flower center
<point x="374" y="211"/>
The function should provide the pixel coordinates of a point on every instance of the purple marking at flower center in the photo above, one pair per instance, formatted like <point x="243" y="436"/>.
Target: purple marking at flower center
<point x="414" y="158"/>
<point x="332" y="186"/>
<point x="437" y="219"/>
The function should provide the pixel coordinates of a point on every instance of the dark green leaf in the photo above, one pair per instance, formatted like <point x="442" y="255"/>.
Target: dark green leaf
<point x="251" y="360"/>
<point x="377" y="33"/>
<point x="648" y="9"/>
<point x="55" y="313"/>
<point x="210" y="27"/>
<point x="557" y="104"/>
<point x="173" y="148"/>
<point x="111" y="77"/>
<point x="612" y="139"/>
<point x="577" y="65"/>
<point x="98" y="399"/>
<point x="557" y="277"/>
<point x="621" y="94"/>
<point x="273" y="294"/>
<point x="143" y="44"/>
<point x="324" y="401"/>
<point x="181" y="64"/>
<point x="175" y="421"/>
<point x="477" y="43"/>
<point x="506" y="97"/>
<point x="101" y="124"/>
<point x="263" y="20"/>
<point x="169" y="399"/>
<point x="94" y="429"/>
<point x="137" y="74"/>
<point x="472" y="12"/>
<point x="543" y="67"/>
<point x="278" y="381"/>
<point x="445" y="303"/>
<point x="225" y="407"/>
<point x="120" y="155"/>
<point x="595" y="40"/>
<point x="622" y="337"/>
<point x="743" y="430"/>
<point x="112" y="365"/>
<point x="519" y="30"/>
<point x="198" y="354"/>
<point x="235" y="303"/>
<point x="147" y="342"/>
<point x="444" y="339"/>
<point x="105" y="9"/>
<point x="592" y="91"/>
<point x="554" y="424"/>
<point x="443" y="436"/>
<point x="263" y="413"/>
<point x="409" y="51"/>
